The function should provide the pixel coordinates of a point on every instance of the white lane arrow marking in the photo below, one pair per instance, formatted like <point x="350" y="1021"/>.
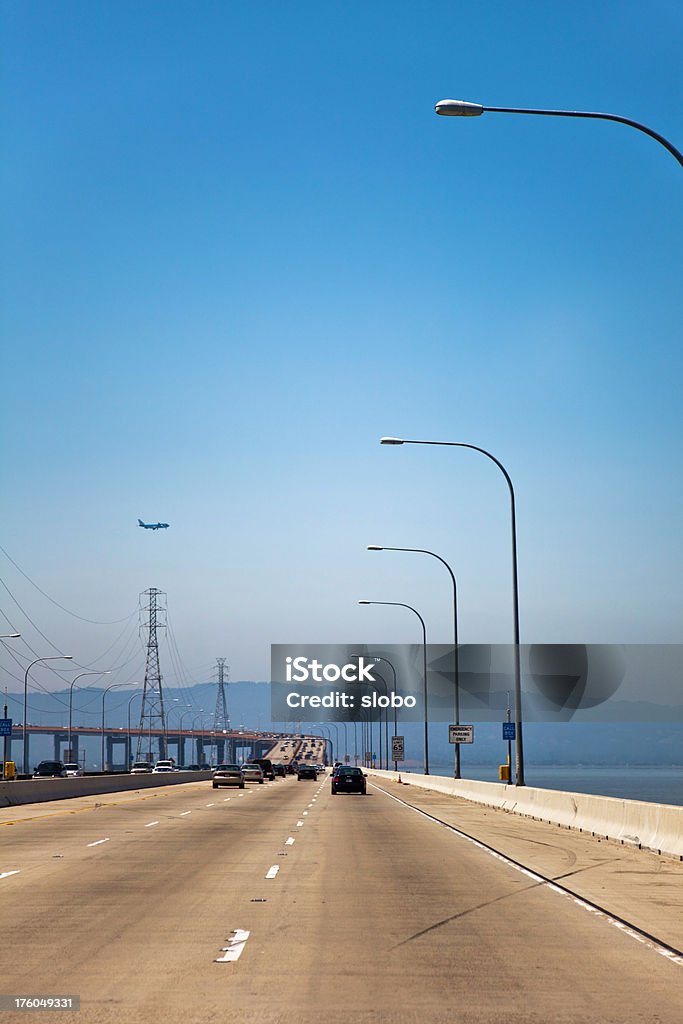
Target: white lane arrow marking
<point x="236" y="944"/>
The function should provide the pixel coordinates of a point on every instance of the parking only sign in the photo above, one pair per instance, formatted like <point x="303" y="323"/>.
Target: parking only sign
<point x="461" y="734"/>
<point x="5" y="726"/>
<point x="508" y="730"/>
<point x="398" y="748"/>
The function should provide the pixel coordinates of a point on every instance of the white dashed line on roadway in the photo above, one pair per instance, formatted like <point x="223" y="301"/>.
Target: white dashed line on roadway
<point x="271" y="872"/>
<point x="6" y="874"/>
<point x="290" y="841"/>
<point x="236" y="943"/>
<point x="150" y="823"/>
<point x="97" y="843"/>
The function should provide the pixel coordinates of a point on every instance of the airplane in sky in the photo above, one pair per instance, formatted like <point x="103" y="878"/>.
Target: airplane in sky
<point x="153" y="526"/>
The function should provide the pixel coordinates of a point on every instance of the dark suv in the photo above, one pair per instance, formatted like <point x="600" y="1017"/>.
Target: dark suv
<point x="50" y="770"/>
<point x="266" y="767"/>
<point x="348" y="780"/>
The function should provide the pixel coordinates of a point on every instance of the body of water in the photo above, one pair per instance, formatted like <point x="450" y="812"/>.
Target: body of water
<point x="656" y="784"/>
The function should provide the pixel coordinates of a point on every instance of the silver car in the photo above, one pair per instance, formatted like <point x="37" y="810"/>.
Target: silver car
<point x="228" y="775"/>
<point x="252" y="773"/>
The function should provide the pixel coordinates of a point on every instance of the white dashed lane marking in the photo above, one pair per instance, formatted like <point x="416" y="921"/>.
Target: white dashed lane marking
<point x="150" y="823"/>
<point x="236" y="943"/>
<point x="97" y="843"/>
<point x="210" y="805"/>
<point x="299" y="824"/>
<point x="271" y="872"/>
<point x="290" y="841"/>
<point x="6" y="874"/>
<point x="183" y="813"/>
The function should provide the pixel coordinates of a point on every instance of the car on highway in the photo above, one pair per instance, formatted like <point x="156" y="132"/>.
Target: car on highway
<point x="252" y="773"/>
<point x="307" y="771"/>
<point x="347" y="779"/>
<point x="73" y="770"/>
<point x="228" y="775"/>
<point x="50" y="770"/>
<point x="166" y="764"/>
<point x="266" y="767"/>
<point x="141" y="768"/>
<point x="280" y="770"/>
<point x="162" y="769"/>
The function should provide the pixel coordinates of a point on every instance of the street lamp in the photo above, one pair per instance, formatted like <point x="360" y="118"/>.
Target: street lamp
<point x="52" y="657"/>
<point x="456" y="657"/>
<point x="386" y="714"/>
<point x="519" y="749"/>
<point x="71" y="694"/>
<point x="399" y="604"/>
<point x="460" y="108"/>
<point x="387" y="662"/>
<point x="112" y="686"/>
<point x="129" y="736"/>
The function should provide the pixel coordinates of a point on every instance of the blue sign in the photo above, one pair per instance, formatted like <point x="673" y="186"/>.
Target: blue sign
<point x="508" y="730"/>
<point x="5" y="726"/>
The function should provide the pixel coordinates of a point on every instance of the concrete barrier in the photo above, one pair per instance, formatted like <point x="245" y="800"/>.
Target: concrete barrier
<point x="657" y="827"/>
<point x="33" y="791"/>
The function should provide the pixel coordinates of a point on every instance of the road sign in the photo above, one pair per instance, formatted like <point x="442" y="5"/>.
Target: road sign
<point x="508" y="730"/>
<point x="398" y="748"/>
<point x="368" y="755"/>
<point x="5" y="726"/>
<point x="461" y="734"/>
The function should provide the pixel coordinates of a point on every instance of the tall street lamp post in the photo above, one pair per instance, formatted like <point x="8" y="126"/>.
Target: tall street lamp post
<point x="71" y="694"/>
<point x="456" y="658"/>
<point x="460" y="108"/>
<point x="113" y="686"/>
<point x="519" y="749"/>
<point x="52" y="657"/>
<point x="400" y="604"/>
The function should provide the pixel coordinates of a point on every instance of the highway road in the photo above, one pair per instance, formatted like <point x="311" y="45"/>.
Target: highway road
<point x="282" y="903"/>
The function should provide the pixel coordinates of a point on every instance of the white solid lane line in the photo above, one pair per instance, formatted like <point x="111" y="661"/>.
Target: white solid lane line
<point x="6" y="874"/>
<point x="290" y="841"/>
<point x="98" y="842"/>
<point x="271" y="873"/>
<point x="236" y="943"/>
<point x="150" y="823"/>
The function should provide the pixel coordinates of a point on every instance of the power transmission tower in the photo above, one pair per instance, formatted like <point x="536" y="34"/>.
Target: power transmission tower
<point x="221" y="719"/>
<point x="152" y="707"/>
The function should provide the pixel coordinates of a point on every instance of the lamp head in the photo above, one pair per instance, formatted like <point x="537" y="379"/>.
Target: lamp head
<point x="364" y="602"/>
<point x="375" y="547"/>
<point x="391" y="440"/>
<point x="458" y="108"/>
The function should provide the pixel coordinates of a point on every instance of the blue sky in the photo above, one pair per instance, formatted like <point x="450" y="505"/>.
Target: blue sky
<point x="239" y="247"/>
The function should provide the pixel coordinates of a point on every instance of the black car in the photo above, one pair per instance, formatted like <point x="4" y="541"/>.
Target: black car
<point x="280" y="770"/>
<point x="307" y="771"/>
<point x="348" y="780"/>
<point x="50" y="770"/>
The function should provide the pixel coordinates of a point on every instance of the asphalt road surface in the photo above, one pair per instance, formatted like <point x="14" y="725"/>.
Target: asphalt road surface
<point x="356" y="908"/>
